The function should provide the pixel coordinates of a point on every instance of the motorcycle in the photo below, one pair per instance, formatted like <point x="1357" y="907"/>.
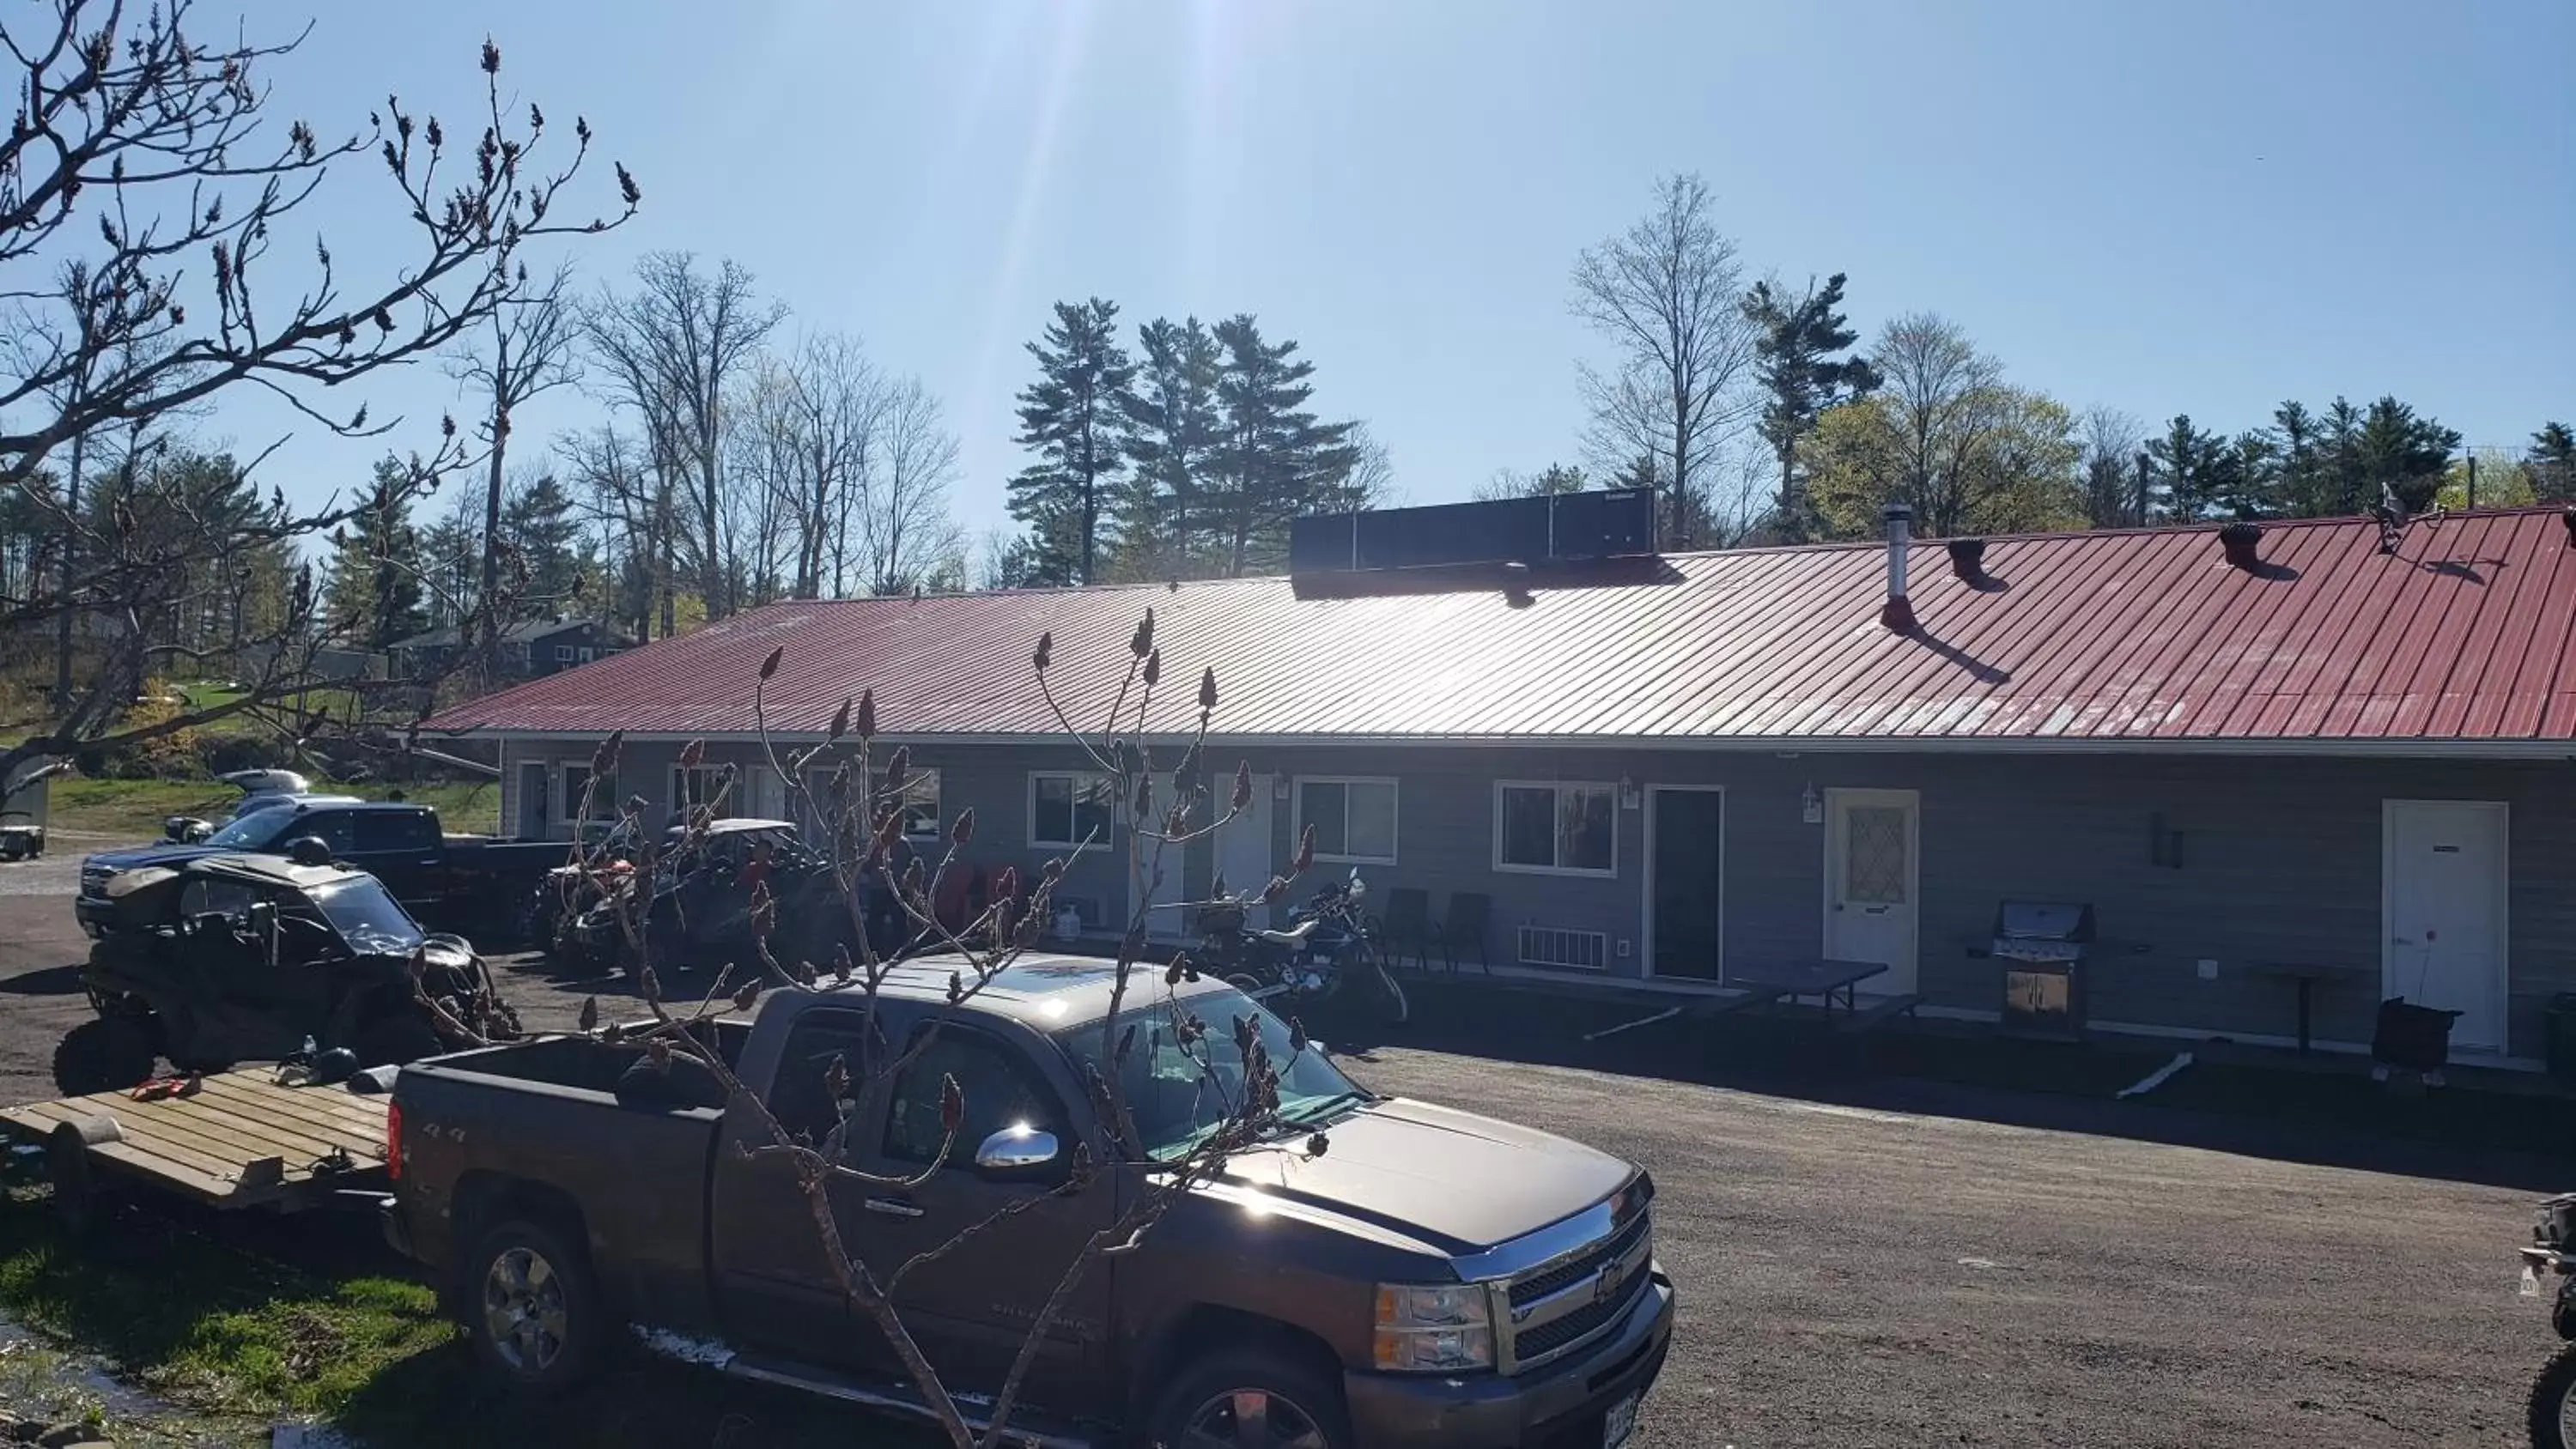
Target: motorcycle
<point x="2552" y="1256"/>
<point x="1327" y="942"/>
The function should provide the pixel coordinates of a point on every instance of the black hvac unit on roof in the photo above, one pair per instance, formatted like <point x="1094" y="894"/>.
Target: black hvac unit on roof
<point x="1561" y="528"/>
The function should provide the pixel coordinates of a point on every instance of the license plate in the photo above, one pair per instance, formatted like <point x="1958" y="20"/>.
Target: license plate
<point x="1619" y="1423"/>
<point x="2530" y="1282"/>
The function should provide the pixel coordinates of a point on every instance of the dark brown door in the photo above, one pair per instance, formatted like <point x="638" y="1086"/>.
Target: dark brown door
<point x="775" y="1287"/>
<point x="1689" y="856"/>
<point x="972" y="1309"/>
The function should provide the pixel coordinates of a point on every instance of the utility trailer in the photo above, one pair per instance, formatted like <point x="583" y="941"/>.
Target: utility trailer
<point x="236" y="1139"/>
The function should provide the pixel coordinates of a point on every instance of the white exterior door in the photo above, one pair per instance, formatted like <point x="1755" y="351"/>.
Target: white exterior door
<point x="1870" y="906"/>
<point x="1243" y="849"/>
<point x="2444" y="899"/>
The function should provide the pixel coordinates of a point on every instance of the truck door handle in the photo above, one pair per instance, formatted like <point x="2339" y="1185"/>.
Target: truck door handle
<point x="891" y="1207"/>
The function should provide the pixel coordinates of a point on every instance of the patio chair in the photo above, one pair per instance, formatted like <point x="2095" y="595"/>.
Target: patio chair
<point x="1406" y="926"/>
<point x="1465" y="925"/>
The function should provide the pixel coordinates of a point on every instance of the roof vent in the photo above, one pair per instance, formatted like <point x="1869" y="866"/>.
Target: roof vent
<point x="1516" y="584"/>
<point x="2243" y="543"/>
<point x="1968" y="559"/>
<point x="1897" y="614"/>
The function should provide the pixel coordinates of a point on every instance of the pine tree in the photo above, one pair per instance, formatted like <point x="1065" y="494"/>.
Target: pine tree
<point x="2294" y="432"/>
<point x="1072" y="416"/>
<point x="2552" y="460"/>
<point x="538" y="523"/>
<point x="2404" y="454"/>
<point x="1173" y="426"/>
<point x="374" y="596"/>
<point x="1800" y="372"/>
<point x="1274" y="461"/>
<point x="2194" y="471"/>
<point x="2343" y="493"/>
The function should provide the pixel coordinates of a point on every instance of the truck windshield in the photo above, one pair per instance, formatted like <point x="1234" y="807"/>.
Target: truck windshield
<point x="370" y="920"/>
<point x="1177" y="1096"/>
<point x="255" y="831"/>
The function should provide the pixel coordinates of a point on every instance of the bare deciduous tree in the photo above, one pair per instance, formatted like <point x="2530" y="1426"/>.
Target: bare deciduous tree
<point x="166" y="150"/>
<point x="671" y="350"/>
<point x="2113" y="441"/>
<point x="526" y="350"/>
<point x="905" y="537"/>
<point x="1669" y="295"/>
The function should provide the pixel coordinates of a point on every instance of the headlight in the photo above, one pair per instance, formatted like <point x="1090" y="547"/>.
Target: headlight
<point x="1427" y="1328"/>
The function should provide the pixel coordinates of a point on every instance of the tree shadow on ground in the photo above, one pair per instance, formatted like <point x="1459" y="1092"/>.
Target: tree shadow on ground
<point x="2334" y="1118"/>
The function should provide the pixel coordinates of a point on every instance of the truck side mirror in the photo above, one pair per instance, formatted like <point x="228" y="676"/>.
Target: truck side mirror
<point x="309" y="850"/>
<point x="1016" y="1151"/>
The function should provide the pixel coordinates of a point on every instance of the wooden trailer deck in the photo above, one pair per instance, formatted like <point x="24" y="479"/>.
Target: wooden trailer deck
<point x="240" y="1139"/>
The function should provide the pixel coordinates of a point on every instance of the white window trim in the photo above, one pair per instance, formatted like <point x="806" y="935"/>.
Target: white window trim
<point x="563" y="654"/>
<point x="1035" y="841"/>
<point x="1297" y="814"/>
<point x="1558" y="787"/>
<point x="566" y="804"/>
<point x="678" y="799"/>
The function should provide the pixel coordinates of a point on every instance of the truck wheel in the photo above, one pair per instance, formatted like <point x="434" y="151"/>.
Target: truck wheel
<point x="1253" y="1400"/>
<point x="2553" y="1402"/>
<point x="530" y="1308"/>
<point x="105" y="1054"/>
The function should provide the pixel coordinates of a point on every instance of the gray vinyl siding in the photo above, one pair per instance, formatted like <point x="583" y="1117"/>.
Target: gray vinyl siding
<point x="2279" y="858"/>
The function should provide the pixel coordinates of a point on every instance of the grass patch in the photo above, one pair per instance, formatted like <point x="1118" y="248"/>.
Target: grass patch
<point x="212" y="1326"/>
<point x="134" y="809"/>
<point x="252" y="1314"/>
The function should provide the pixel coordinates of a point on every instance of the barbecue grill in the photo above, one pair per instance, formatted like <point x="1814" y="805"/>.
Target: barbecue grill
<point x="2043" y="945"/>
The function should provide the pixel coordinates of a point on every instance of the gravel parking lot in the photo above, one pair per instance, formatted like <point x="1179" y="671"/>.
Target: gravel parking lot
<point x="1916" y="1264"/>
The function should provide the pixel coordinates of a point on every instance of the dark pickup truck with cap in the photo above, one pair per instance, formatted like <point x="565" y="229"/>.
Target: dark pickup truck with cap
<point x="467" y="883"/>
<point x="1432" y="1278"/>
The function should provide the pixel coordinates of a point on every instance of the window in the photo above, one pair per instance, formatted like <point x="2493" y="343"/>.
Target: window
<point x="707" y="785"/>
<point x="1070" y="807"/>
<point x="585" y="654"/>
<point x="998" y="1089"/>
<point x="392" y="831"/>
<point x="920" y="803"/>
<point x="215" y="896"/>
<point x="563" y="654"/>
<point x="1177" y="1096"/>
<point x="1559" y="829"/>
<point x="1354" y="819"/>
<point x="267" y="831"/>
<point x="604" y="802"/>
<point x="798" y="1097"/>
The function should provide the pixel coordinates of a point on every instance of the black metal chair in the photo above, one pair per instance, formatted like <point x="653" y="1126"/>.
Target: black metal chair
<point x="1469" y="917"/>
<point x="1406" y="926"/>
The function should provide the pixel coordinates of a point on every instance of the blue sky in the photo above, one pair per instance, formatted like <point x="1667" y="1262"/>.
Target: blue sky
<point x="2168" y="207"/>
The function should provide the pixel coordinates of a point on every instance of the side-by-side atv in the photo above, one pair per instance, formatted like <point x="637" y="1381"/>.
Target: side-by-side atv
<point x="225" y="959"/>
<point x="693" y="910"/>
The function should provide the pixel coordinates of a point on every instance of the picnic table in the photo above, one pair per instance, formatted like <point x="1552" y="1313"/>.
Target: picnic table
<point x="1819" y="978"/>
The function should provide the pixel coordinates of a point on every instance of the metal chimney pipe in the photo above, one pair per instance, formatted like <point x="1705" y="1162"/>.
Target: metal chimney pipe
<point x="1898" y="614"/>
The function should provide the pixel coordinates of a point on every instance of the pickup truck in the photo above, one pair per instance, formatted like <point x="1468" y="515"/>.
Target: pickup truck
<point x="448" y="881"/>
<point x="1432" y="1278"/>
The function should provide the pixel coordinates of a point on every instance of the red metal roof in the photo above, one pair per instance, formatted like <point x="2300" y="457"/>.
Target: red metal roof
<point x="2121" y="638"/>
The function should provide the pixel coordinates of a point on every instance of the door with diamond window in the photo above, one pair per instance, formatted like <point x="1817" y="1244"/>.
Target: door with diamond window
<point x="1870" y="878"/>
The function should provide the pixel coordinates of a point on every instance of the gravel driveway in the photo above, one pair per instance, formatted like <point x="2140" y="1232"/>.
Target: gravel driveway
<point x="1940" y="1266"/>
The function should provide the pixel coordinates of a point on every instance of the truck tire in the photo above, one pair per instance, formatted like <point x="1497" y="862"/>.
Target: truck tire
<point x="530" y="1308"/>
<point x="104" y="1054"/>
<point x="2553" y="1402"/>
<point x="1300" y="1407"/>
